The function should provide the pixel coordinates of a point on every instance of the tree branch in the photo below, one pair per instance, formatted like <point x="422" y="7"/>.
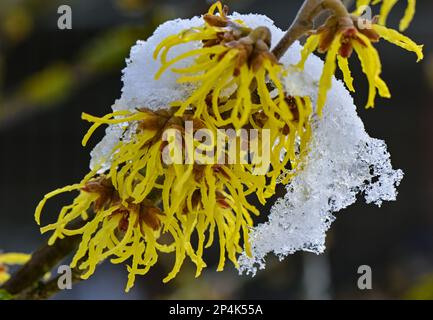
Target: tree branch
<point x="304" y="22"/>
<point x="44" y="291"/>
<point x="42" y="261"/>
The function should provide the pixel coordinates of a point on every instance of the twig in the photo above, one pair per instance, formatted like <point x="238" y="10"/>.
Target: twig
<point x="46" y="290"/>
<point x="304" y="22"/>
<point x="24" y="284"/>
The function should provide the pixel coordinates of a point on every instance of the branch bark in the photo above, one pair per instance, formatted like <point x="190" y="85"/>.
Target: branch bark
<point x="42" y="261"/>
<point x="25" y="283"/>
<point x="43" y="291"/>
<point x="304" y="22"/>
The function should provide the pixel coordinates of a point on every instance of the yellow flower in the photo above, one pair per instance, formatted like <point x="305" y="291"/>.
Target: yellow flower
<point x="237" y="79"/>
<point x="387" y="6"/>
<point x="232" y="60"/>
<point x="120" y="208"/>
<point x="339" y="37"/>
<point x="144" y="205"/>
<point x="9" y="259"/>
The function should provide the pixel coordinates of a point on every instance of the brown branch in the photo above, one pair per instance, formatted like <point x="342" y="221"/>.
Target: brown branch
<point x="42" y="261"/>
<point x="304" y="22"/>
<point x="25" y="283"/>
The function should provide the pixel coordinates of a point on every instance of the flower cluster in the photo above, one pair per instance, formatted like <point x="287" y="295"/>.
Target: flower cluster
<point x="142" y="205"/>
<point x="339" y="36"/>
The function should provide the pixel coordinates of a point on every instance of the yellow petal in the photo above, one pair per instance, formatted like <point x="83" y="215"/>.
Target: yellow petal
<point x="400" y="40"/>
<point x="370" y="69"/>
<point x="343" y="64"/>
<point x="385" y="10"/>
<point x="325" y="83"/>
<point x="14" y="258"/>
<point x="310" y="45"/>
<point x="408" y="15"/>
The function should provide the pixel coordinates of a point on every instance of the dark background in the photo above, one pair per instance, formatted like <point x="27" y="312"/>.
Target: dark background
<point x="48" y="77"/>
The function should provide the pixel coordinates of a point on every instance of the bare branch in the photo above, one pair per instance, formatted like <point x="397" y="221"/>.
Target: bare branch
<point x="42" y="261"/>
<point x="304" y="22"/>
<point x="46" y="290"/>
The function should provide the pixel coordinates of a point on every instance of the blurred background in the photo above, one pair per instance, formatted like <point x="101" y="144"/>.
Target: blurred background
<point x="49" y="76"/>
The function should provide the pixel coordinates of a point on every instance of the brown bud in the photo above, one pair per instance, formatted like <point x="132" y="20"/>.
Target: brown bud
<point x="260" y="118"/>
<point x="124" y="223"/>
<point x="370" y="34"/>
<point x="326" y="38"/>
<point x="261" y="33"/>
<point x="222" y="201"/>
<point x="149" y="216"/>
<point x="346" y="50"/>
<point x="195" y="201"/>
<point x="219" y="169"/>
<point x="105" y="190"/>
<point x="198" y="171"/>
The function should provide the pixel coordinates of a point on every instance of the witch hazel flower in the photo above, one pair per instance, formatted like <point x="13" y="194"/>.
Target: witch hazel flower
<point x="233" y="56"/>
<point x="211" y="119"/>
<point x="339" y="36"/>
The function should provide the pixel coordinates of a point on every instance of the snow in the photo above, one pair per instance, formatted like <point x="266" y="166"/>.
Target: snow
<point x="343" y="161"/>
